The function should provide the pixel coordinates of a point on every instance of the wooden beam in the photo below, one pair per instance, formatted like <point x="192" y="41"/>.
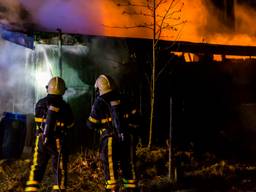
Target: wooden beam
<point x="207" y="48"/>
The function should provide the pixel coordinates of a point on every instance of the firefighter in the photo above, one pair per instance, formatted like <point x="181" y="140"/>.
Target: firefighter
<point x="111" y="115"/>
<point x="53" y="118"/>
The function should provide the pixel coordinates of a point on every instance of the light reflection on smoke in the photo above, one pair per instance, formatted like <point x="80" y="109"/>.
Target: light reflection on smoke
<point x="219" y="27"/>
<point x="25" y="72"/>
<point x="75" y="16"/>
<point x="46" y="62"/>
<point x="15" y="78"/>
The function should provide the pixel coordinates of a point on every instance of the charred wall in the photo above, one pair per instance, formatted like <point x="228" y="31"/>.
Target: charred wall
<point x="213" y="107"/>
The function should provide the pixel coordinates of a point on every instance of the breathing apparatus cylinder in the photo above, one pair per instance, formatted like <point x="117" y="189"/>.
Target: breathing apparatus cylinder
<point x="50" y="123"/>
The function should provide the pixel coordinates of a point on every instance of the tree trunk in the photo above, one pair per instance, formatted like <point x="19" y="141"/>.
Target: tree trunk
<point x="153" y="75"/>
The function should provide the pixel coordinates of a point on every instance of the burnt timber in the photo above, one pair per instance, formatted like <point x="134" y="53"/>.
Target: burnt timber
<point x="206" y="48"/>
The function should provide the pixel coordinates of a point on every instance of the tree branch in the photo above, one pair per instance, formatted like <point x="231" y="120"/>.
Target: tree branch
<point x="128" y="4"/>
<point x="160" y="2"/>
<point x="137" y="13"/>
<point x="145" y="25"/>
<point x="162" y="21"/>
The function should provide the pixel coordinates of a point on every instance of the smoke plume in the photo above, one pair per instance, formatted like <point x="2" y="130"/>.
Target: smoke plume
<point x="15" y="78"/>
<point x="234" y="31"/>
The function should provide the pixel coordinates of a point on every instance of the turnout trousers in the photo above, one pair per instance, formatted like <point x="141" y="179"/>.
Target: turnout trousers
<point x="117" y="158"/>
<point x="42" y="154"/>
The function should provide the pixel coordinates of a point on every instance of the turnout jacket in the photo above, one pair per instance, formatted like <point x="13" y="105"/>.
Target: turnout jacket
<point x="62" y="119"/>
<point x="112" y="115"/>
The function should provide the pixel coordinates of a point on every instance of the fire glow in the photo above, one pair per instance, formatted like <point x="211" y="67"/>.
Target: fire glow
<point x="110" y="18"/>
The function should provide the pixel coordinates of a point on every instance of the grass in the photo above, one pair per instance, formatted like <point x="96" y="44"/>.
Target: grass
<point x="85" y="173"/>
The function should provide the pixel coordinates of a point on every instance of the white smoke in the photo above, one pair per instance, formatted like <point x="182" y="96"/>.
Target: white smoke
<point x="15" y="79"/>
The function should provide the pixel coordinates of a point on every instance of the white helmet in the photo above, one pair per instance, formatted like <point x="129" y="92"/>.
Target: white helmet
<point x="56" y="86"/>
<point x="104" y="84"/>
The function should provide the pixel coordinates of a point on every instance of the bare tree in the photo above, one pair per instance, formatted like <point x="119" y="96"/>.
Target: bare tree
<point x="158" y="16"/>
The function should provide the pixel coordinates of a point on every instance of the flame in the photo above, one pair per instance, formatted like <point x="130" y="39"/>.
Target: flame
<point x="120" y="20"/>
<point x="202" y="23"/>
<point x="125" y="20"/>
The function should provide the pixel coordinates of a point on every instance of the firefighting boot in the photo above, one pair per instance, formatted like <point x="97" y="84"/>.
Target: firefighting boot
<point x="32" y="186"/>
<point x="57" y="188"/>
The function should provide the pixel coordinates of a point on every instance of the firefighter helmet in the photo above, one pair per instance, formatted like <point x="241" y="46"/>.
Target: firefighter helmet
<point x="56" y="86"/>
<point x="104" y="84"/>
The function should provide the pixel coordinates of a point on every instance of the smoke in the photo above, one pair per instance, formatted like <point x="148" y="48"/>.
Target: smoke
<point x="111" y="56"/>
<point x="46" y="65"/>
<point x="206" y="22"/>
<point x="221" y="28"/>
<point x="15" y="79"/>
<point x="194" y="13"/>
<point x="123" y="18"/>
<point x="245" y="19"/>
<point x="13" y="16"/>
<point x="25" y="72"/>
<point x="71" y="16"/>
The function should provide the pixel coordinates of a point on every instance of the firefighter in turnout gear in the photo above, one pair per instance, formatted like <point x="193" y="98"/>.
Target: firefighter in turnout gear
<point x="53" y="118"/>
<point x="110" y="115"/>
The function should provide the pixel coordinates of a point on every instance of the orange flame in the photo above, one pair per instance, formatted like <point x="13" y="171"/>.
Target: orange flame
<point x="202" y="23"/>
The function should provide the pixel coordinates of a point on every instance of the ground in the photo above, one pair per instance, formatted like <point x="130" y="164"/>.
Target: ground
<point x="188" y="173"/>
